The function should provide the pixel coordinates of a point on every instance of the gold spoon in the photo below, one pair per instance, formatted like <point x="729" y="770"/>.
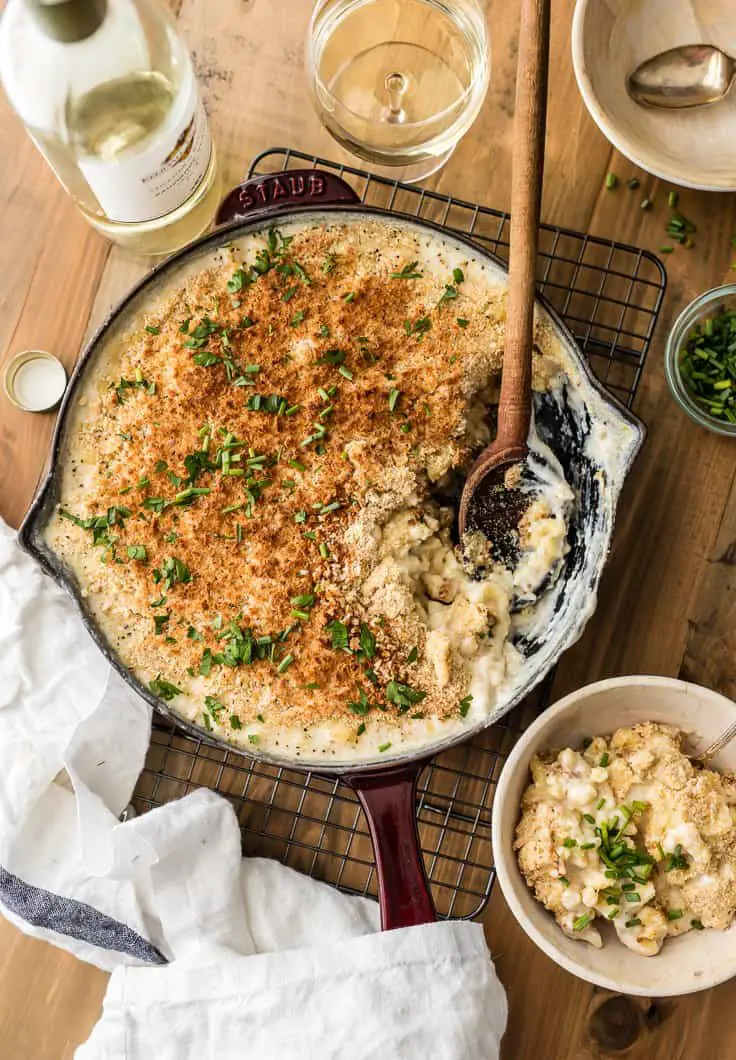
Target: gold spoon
<point x="693" y="75"/>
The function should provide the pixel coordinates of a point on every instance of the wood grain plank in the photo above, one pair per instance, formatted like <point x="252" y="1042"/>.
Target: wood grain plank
<point x="666" y="602"/>
<point x="49" y="1001"/>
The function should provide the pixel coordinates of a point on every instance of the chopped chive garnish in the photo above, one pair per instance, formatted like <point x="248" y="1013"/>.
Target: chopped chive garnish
<point x="605" y="759"/>
<point x="645" y="204"/>
<point x="462" y="322"/>
<point x="611" y="181"/>
<point x="632" y="183"/>
<point x="350" y="297"/>
<point x="707" y="363"/>
<point x="324" y="550"/>
<point x="284" y="664"/>
<point x="582" y="921"/>
<point x="674" y="914"/>
<point x="673" y="198"/>
<point x="384" y="746"/>
<point x="393" y="398"/>
<point x="697" y="924"/>
<point x="564" y="880"/>
<point x="568" y="841"/>
<point x="634" y="922"/>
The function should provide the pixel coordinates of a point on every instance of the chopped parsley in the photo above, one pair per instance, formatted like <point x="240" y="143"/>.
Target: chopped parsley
<point x="465" y="705"/>
<point x="333" y="357"/>
<point x="367" y="642"/>
<point x="403" y="696"/>
<point x="413" y="655"/>
<point x="100" y="524"/>
<point x="339" y="635"/>
<point x="393" y="398"/>
<point x="384" y="747"/>
<point x="172" y="572"/>
<point x="362" y="705"/>
<point x="137" y="552"/>
<point x="238" y="281"/>
<point x="462" y="322"/>
<point x="160" y="622"/>
<point x="164" y="689"/>
<point x="419" y="327"/>
<point x="139" y="383"/>
<point x="409" y="272"/>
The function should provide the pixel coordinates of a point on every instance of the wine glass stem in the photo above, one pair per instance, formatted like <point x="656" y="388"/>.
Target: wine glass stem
<point x="396" y="86"/>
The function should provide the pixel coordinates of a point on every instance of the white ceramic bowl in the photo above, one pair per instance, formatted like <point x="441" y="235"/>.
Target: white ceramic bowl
<point x="687" y="963"/>
<point x="694" y="148"/>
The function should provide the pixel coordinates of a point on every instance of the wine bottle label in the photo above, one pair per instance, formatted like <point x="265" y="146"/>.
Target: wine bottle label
<point x="144" y="184"/>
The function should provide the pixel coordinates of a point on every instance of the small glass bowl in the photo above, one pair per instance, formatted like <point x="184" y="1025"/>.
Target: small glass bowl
<point x="712" y="303"/>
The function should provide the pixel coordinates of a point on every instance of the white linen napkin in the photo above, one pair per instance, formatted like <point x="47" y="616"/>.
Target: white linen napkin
<point x="212" y="955"/>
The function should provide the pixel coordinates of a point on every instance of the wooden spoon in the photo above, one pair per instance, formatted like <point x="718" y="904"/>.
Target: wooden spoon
<point x="489" y="502"/>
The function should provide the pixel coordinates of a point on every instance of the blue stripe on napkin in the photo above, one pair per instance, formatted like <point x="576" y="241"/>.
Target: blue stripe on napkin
<point x="75" y="919"/>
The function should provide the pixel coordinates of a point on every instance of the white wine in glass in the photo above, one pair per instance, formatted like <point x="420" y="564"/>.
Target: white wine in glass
<point x="398" y="82"/>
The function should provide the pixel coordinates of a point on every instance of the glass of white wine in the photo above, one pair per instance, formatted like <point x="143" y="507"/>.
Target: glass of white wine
<point x="398" y="82"/>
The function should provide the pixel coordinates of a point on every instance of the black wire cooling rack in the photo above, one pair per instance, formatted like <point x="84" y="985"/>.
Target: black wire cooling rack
<point x="609" y="294"/>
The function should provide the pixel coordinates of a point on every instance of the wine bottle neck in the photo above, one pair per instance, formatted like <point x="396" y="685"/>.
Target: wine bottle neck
<point x="68" y="21"/>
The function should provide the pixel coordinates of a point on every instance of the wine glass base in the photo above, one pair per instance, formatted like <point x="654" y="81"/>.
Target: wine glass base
<point x="405" y="174"/>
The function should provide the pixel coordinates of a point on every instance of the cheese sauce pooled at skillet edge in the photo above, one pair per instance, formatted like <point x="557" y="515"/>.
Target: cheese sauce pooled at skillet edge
<point x="247" y="492"/>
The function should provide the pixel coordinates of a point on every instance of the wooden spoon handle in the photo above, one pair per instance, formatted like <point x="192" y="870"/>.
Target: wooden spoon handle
<point x="526" y="192"/>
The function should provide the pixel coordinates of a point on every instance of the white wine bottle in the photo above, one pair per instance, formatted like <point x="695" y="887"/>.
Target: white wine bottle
<point x="107" y="92"/>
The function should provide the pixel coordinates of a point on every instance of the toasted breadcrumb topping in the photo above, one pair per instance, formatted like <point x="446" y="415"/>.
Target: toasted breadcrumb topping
<point x="258" y="457"/>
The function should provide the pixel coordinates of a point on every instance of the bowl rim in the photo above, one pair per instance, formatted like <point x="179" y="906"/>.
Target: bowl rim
<point x="599" y="116"/>
<point x="505" y="861"/>
<point x="682" y="323"/>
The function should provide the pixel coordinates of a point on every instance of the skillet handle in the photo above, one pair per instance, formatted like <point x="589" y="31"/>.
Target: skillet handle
<point x="389" y="803"/>
<point x="275" y="192"/>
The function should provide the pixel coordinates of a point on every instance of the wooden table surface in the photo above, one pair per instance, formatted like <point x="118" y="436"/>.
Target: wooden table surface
<point x="668" y="599"/>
